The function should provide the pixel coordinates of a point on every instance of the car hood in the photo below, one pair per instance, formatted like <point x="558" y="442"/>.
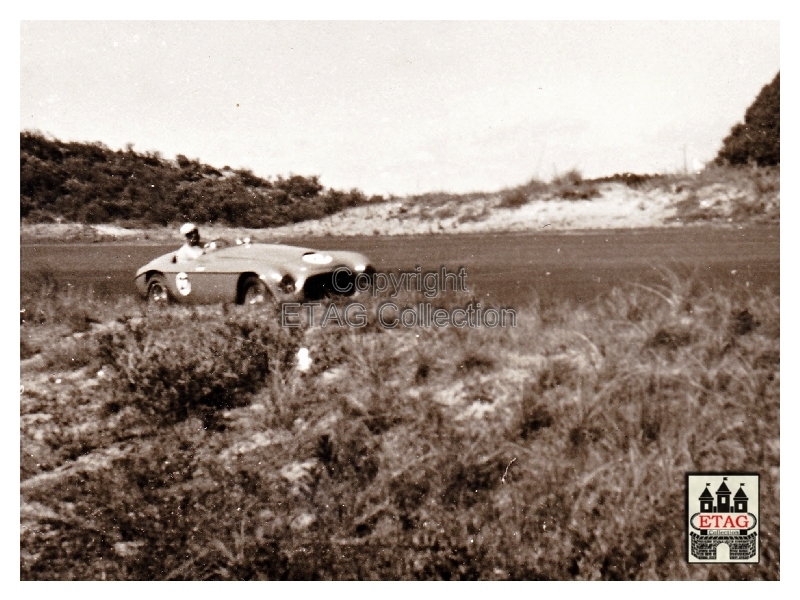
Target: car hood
<point x="265" y="252"/>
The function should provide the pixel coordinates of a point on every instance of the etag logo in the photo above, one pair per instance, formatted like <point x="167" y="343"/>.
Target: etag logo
<point x="722" y="517"/>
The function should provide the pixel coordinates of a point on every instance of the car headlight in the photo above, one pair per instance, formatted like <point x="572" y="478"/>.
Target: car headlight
<point x="359" y="268"/>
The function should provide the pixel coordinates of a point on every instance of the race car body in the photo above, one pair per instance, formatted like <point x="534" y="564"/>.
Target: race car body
<point x="249" y="273"/>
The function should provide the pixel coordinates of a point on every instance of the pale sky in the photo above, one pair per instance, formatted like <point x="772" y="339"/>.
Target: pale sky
<point x="401" y="107"/>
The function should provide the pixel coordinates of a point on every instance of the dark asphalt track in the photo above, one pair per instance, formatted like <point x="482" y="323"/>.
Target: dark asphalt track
<point x="506" y="268"/>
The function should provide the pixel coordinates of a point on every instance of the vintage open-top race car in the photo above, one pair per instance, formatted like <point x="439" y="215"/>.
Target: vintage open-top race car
<point x="249" y="273"/>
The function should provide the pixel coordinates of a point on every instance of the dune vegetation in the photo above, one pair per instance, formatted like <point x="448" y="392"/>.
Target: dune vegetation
<point x="72" y="191"/>
<point x="78" y="182"/>
<point x="185" y="443"/>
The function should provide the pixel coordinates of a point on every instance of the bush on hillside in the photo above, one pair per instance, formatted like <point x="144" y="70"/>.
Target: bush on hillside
<point x="758" y="139"/>
<point x="572" y="186"/>
<point x="90" y="183"/>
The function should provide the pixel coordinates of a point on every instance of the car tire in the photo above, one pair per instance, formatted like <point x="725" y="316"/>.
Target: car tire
<point x="157" y="292"/>
<point x="254" y="292"/>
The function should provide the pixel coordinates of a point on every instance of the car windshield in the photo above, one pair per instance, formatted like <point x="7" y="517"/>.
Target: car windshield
<point x="217" y="244"/>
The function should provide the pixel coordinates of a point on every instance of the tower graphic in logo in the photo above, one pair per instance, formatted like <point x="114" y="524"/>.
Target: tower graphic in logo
<point x="722" y="517"/>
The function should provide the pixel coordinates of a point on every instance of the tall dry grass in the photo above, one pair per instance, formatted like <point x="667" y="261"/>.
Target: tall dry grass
<point x="553" y="450"/>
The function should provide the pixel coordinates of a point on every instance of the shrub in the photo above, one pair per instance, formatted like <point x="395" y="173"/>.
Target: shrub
<point x="758" y="139"/>
<point x="572" y="186"/>
<point x="521" y="195"/>
<point x="632" y="180"/>
<point x="744" y="193"/>
<point x="514" y="199"/>
<point x="571" y="178"/>
<point x="170" y="364"/>
<point x="88" y="182"/>
<point x="45" y="300"/>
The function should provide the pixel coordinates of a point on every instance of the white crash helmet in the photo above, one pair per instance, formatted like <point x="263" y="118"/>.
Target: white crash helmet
<point x="188" y="228"/>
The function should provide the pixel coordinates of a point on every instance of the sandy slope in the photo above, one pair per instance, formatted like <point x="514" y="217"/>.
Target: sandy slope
<point x="617" y="206"/>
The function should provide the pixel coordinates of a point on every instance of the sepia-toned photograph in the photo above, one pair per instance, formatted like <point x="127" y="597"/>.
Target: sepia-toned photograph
<point x="399" y="300"/>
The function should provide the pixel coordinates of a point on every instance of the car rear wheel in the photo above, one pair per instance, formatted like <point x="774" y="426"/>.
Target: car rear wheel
<point x="254" y="291"/>
<point x="157" y="290"/>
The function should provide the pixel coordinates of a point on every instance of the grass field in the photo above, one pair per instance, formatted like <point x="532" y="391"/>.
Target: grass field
<point x="185" y="444"/>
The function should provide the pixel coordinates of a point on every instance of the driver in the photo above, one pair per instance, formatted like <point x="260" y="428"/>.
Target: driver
<point x="192" y="249"/>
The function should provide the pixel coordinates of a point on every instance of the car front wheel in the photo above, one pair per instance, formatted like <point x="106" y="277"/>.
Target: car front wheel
<point x="157" y="290"/>
<point x="254" y="291"/>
